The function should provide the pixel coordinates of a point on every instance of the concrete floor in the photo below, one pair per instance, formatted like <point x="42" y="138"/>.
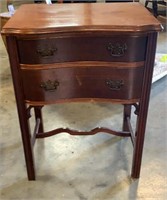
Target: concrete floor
<point x="88" y="167"/>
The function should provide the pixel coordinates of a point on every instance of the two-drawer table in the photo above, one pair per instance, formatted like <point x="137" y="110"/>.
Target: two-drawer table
<point x="80" y="52"/>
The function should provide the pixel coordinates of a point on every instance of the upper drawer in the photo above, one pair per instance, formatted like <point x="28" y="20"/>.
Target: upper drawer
<point x="82" y="48"/>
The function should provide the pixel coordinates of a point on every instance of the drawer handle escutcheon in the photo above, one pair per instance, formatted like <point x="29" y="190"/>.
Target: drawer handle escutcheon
<point x="49" y="85"/>
<point x="117" y="49"/>
<point x="115" y="84"/>
<point x="46" y="52"/>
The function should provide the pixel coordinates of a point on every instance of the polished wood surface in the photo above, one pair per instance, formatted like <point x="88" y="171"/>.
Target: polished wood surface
<point x="82" y="52"/>
<point x="81" y="47"/>
<point x="41" y="18"/>
<point x="73" y="83"/>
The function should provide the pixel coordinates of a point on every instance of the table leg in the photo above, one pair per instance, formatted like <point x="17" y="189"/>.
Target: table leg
<point x="38" y="114"/>
<point x="21" y="107"/>
<point x="27" y="144"/>
<point x="126" y="113"/>
<point x="143" y="105"/>
<point x="138" y="148"/>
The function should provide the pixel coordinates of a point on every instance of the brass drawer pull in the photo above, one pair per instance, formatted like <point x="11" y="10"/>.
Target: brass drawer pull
<point x="115" y="84"/>
<point x="117" y="49"/>
<point x="49" y="85"/>
<point x="46" y="52"/>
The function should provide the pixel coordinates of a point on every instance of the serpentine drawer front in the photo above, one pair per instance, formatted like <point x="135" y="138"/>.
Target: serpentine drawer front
<point x="82" y="47"/>
<point x="82" y="52"/>
<point x="50" y="85"/>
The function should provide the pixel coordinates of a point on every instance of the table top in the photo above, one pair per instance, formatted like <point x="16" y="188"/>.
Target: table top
<point x="43" y="18"/>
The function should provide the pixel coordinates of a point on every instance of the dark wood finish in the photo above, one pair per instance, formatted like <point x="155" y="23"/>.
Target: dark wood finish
<point x="45" y="19"/>
<point x="75" y="132"/>
<point x="82" y="82"/>
<point x="38" y="115"/>
<point x="144" y="102"/>
<point x="82" y="47"/>
<point x="21" y="107"/>
<point x="126" y="115"/>
<point x="82" y="52"/>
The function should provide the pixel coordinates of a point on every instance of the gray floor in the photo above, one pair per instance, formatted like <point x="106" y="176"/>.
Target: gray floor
<point x="83" y="168"/>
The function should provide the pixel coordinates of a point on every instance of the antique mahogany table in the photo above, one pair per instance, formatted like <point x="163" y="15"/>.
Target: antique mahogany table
<point x="82" y="52"/>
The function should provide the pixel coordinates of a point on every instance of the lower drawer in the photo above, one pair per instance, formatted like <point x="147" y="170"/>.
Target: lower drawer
<point x="85" y="82"/>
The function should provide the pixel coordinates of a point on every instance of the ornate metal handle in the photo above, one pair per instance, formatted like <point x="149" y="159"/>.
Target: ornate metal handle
<point x="117" y="49"/>
<point x="49" y="85"/>
<point x="46" y="52"/>
<point x="115" y="84"/>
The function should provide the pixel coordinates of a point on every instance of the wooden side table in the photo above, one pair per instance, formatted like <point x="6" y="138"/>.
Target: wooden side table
<point x="80" y="52"/>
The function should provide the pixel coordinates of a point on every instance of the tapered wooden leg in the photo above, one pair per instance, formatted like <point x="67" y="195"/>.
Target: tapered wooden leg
<point x="138" y="148"/>
<point x="21" y="107"/>
<point x="143" y="106"/>
<point x="38" y="114"/>
<point x="126" y="113"/>
<point x="26" y="138"/>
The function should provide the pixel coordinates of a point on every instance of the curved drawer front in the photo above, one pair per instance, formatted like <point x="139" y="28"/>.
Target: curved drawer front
<point x="51" y="50"/>
<point x="72" y="83"/>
